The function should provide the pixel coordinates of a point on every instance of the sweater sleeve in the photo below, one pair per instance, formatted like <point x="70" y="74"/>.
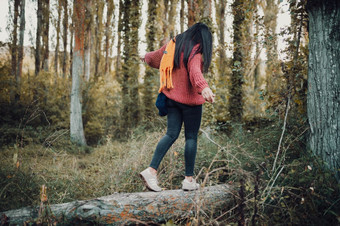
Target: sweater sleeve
<point x="153" y="59"/>
<point x="195" y="73"/>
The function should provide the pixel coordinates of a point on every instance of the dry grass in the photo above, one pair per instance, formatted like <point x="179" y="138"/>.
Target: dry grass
<point x="71" y="173"/>
<point x="74" y="175"/>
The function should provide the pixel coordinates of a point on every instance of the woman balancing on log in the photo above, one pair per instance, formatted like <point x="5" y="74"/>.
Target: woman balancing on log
<point x="183" y="90"/>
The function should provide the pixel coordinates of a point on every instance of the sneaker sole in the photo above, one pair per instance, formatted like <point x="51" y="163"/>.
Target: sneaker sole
<point x="146" y="184"/>
<point x="189" y="189"/>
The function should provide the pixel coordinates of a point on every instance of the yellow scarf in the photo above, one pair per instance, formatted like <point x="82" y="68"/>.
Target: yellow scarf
<point x="166" y="66"/>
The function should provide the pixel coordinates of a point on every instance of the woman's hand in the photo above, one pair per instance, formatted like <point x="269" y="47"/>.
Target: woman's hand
<point x="208" y="95"/>
<point x="142" y="58"/>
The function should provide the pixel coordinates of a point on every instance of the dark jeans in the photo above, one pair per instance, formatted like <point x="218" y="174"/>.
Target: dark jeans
<point x="177" y="114"/>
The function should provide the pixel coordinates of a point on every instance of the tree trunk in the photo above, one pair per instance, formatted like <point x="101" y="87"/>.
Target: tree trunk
<point x="38" y="37"/>
<point x="132" y="208"/>
<point x="192" y="11"/>
<point x="172" y="17"/>
<point x="149" y="89"/>
<point x="98" y="36"/>
<point x="220" y="19"/>
<point x="236" y="92"/>
<point x="71" y="45"/>
<point x="88" y="39"/>
<point x="14" y="47"/>
<point x="181" y="14"/>
<point x="46" y="29"/>
<point x="108" y="31"/>
<point x="323" y="81"/>
<point x="221" y="90"/>
<point x="206" y="10"/>
<point x="76" y="121"/>
<point x="56" y="53"/>
<point x="270" y="16"/>
<point x="126" y="101"/>
<point x="130" y="83"/>
<point x="119" y="38"/>
<point x="20" y="48"/>
<point x="65" y="26"/>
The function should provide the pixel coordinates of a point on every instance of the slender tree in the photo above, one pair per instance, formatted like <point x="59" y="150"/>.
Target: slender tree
<point x="119" y="38"/>
<point x="130" y="68"/>
<point x="108" y="31"/>
<point x="125" y="67"/>
<point x="192" y="12"/>
<point x="323" y="81"/>
<point x="172" y="17"/>
<point x="181" y="15"/>
<point x="76" y="121"/>
<point x="270" y="22"/>
<point x="257" y="61"/>
<point x="71" y="44"/>
<point x="149" y="89"/>
<point x="221" y="91"/>
<point x="98" y="36"/>
<point x="135" y="21"/>
<point x="65" y="27"/>
<point x="46" y="31"/>
<point x="14" y="45"/>
<point x="20" y="47"/>
<point x="236" y="92"/>
<point x="38" y="38"/>
<point x="56" y="52"/>
<point x="88" y="38"/>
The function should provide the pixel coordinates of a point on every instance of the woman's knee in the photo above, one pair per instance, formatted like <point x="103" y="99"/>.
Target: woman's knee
<point x="191" y="136"/>
<point x="173" y="135"/>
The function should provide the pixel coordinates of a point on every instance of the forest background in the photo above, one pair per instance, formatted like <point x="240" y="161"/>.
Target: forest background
<point x="78" y="114"/>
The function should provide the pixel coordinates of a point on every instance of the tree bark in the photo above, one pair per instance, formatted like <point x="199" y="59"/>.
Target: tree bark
<point x="270" y="16"/>
<point x="71" y="46"/>
<point x="236" y="92"/>
<point x="46" y="30"/>
<point x="192" y="10"/>
<point x="76" y="121"/>
<point x="221" y="90"/>
<point x="149" y="89"/>
<point x="14" y="46"/>
<point x="65" y="27"/>
<point x="38" y="37"/>
<point x="98" y="36"/>
<point x="88" y="39"/>
<point x="56" y="53"/>
<point x="108" y="31"/>
<point x="323" y="106"/>
<point x="119" y="38"/>
<point x="181" y="14"/>
<point x="132" y="208"/>
<point x="20" y="48"/>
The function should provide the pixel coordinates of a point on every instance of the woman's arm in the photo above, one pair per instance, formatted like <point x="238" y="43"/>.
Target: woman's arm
<point x="196" y="78"/>
<point x="153" y="59"/>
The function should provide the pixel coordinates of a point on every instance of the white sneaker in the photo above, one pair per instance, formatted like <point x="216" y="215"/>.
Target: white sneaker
<point x="190" y="186"/>
<point x="150" y="180"/>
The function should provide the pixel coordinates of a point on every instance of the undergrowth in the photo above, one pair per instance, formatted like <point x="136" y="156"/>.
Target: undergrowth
<point x="298" y="191"/>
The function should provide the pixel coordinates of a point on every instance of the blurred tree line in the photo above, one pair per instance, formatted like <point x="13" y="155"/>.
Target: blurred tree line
<point x="94" y="84"/>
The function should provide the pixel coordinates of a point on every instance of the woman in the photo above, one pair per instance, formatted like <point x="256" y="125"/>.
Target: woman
<point x="186" y="90"/>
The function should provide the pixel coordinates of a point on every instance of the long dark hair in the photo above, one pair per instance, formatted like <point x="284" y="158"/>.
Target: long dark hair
<point x="199" y="33"/>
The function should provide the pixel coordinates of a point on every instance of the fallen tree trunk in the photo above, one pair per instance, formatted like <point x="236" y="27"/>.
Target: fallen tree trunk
<point x="128" y="208"/>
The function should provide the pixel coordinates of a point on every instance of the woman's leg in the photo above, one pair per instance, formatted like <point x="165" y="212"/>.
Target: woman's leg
<point x="192" y="122"/>
<point x="175" y="120"/>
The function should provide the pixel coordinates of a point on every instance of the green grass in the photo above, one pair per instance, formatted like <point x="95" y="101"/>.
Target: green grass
<point x="302" y="193"/>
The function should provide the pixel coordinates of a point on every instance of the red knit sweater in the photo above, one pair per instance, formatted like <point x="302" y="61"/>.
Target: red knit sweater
<point x="185" y="91"/>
